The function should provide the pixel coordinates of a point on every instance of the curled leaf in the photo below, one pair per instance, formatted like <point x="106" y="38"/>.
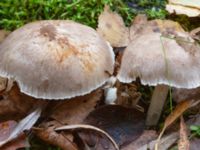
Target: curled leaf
<point x="88" y="127"/>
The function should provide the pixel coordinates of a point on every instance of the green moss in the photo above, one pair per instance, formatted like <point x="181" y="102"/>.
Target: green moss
<point x="15" y="13"/>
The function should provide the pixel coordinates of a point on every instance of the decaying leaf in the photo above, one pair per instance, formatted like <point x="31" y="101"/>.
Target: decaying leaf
<point x="47" y="133"/>
<point x="23" y="125"/>
<point x="183" y="94"/>
<point x="16" y="105"/>
<point x="183" y="143"/>
<point x="75" y="110"/>
<point x="111" y="26"/>
<point x="178" y="111"/>
<point x="123" y="124"/>
<point x="20" y="142"/>
<point x="88" y="127"/>
<point x="165" y="142"/>
<point x="191" y="8"/>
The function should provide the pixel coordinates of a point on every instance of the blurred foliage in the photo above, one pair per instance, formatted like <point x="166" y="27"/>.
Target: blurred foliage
<point x="15" y="13"/>
<point x="195" y="130"/>
<point x="154" y="9"/>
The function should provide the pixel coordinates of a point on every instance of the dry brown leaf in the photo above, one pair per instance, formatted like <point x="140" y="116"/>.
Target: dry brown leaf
<point x="166" y="142"/>
<point x="24" y="124"/>
<point x="111" y="26"/>
<point x="6" y="128"/>
<point x="183" y="94"/>
<point x="90" y="128"/>
<point x="178" y="111"/>
<point x="138" y="26"/>
<point x="46" y="133"/>
<point x="191" y="8"/>
<point x="75" y="110"/>
<point x="178" y="9"/>
<point x="183" y="143"/>
<point x="20" y="142"/>
<point x="16" y="105"/>
<point x="188" y="3"/>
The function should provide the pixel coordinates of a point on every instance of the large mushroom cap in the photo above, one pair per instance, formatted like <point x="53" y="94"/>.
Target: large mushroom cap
<point x="159" y="59"/>
<point x="56" y="59"/>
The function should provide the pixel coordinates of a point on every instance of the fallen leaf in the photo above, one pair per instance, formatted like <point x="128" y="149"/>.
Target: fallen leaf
<point x="111" y="26"/>
<point x="23" y="125"/>
<point x="46" y="132"/>
<point x="188" y="3"/>
<point x="178" y="111"/>
<point x="16" y="105"/>
<point x="20" y="142"/>
<point x="183" y="94"/>
<point x="183" y="143"/>
<point x="88" y="127"/>
<point x="75" y="110"/>
<point x="6" y="129"/>
<point x="191" y="8"/>
<point x="138" y="25"/>
<point x="165" y="143"/>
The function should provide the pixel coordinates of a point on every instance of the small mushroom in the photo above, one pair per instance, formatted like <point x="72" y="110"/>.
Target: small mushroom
<point x="56" y="59"/>
<point x="161" y="60"/>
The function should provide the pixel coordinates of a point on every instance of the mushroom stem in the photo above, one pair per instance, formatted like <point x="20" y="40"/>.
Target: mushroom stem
<point x="156" y="105"/>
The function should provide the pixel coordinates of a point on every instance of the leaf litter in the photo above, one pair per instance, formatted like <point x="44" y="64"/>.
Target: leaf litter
<point x="87" y="123"/>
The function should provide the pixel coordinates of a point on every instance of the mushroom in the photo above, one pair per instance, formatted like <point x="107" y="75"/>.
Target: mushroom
<point x="161" y="58"/>
<point x="56" y="59"/>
